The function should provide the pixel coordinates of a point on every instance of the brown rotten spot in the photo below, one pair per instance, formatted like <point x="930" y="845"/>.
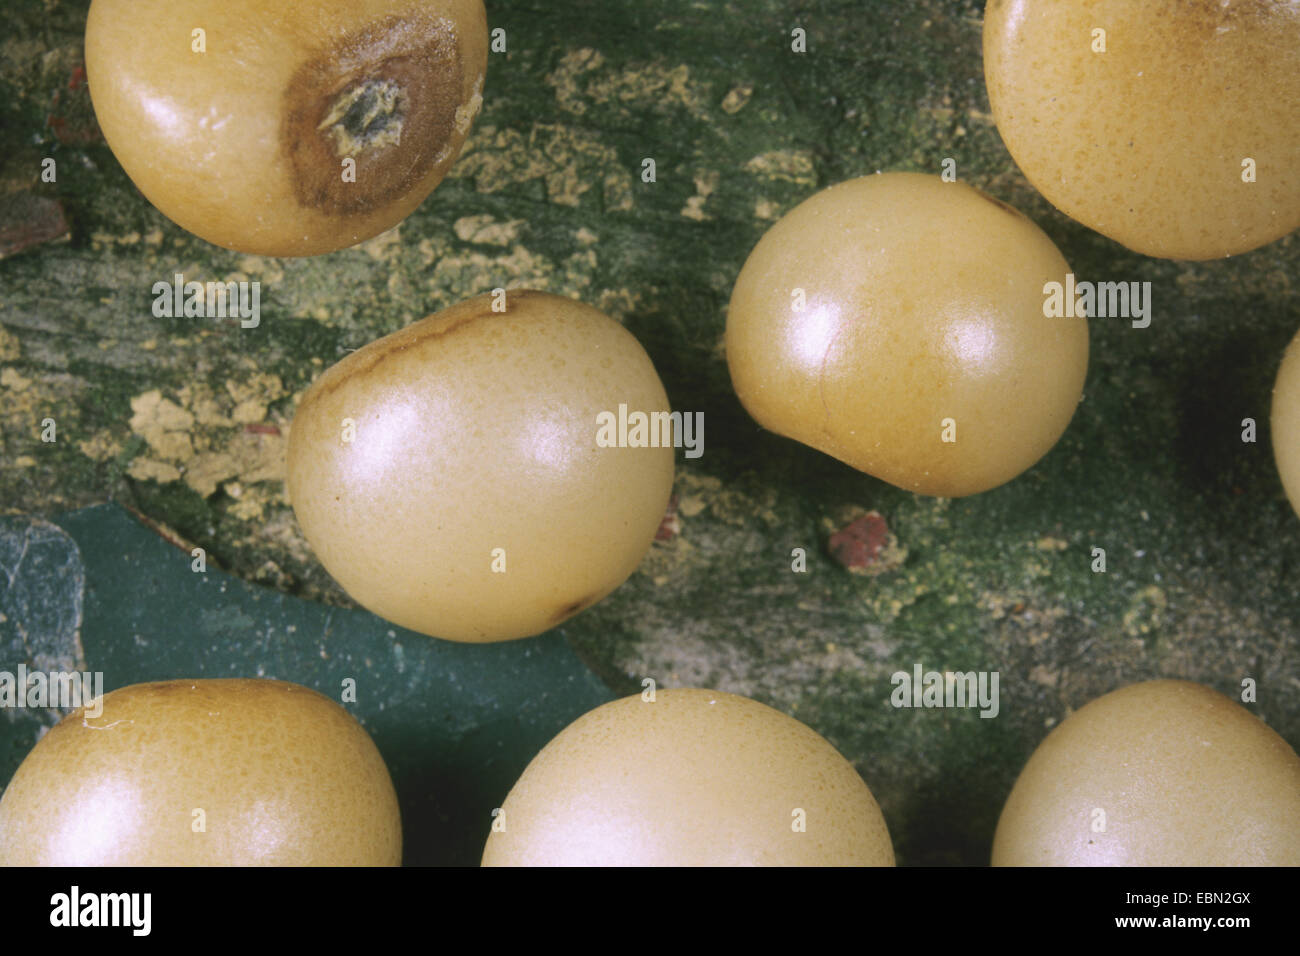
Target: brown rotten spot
<point x="387" y="99"/>
<point x="243" y="134"/>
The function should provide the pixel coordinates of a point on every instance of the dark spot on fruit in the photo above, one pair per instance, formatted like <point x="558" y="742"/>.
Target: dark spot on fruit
<point x="572" y="608"/>
<point x="168" y="688"/>
<point x="385" y="97"/>
<point x="367" y="115"/>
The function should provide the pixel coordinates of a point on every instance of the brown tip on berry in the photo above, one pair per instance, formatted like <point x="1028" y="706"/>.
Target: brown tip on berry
<point x="385" y="96"/>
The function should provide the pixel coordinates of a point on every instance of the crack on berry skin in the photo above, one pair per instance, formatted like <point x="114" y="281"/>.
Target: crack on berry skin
<point x="420" y="334"/>
<point x="570" y="609"/>
<point x="368" y="115"/>
<point x="387" y="98"/>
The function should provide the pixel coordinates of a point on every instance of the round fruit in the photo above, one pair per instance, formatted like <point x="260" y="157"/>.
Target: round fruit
<point x="203" y="773"/>
<point x="458" y="477"/>
<point x="281" y="128"/>
<point x="897" y="322"/>
<point x="1164" y="773"/>
<point x="1285" y="425"/>
<point x="691" y="778"/>
<point x="1166" y="125"/>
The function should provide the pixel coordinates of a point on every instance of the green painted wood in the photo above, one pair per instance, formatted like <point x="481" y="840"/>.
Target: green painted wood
<point x="456" y="724"/>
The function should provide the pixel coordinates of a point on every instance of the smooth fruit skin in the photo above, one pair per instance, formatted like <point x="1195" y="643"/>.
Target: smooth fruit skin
<point x="1183" y="775"/>
<point x="1145" y="142"/>
<point x="922" y="301"/>
<point x="1285" y="425"/>
<point x="283" y="776"/>
<point x="694" y="778"/>
<point x="474" y="502"/>
<point x="244" y="144"/>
